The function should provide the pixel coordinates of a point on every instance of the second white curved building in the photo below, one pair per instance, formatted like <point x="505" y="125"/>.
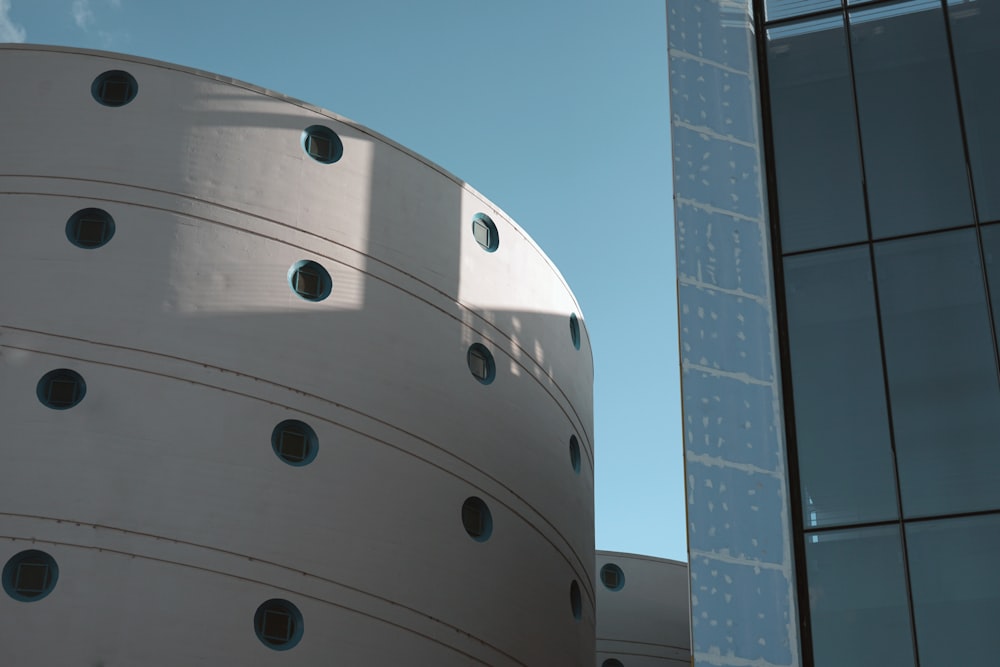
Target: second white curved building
<point x="276" y="391"/>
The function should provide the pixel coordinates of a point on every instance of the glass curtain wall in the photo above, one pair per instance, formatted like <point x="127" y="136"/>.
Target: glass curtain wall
<point x="884" y="138"/>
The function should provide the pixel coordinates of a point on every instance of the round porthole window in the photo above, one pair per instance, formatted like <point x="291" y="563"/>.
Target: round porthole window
<point x="294" y="442"/>
<point x="481" y="363"/>
<point x="278" y="624"/>
<point x="612" y="577"/>
<point x="61" y="389"/>
<point x="485" y="232"/>
<point x="30" y="575"/>
<point x="310" y="280"/>
<point x="574" y="453"/>
<point x="114" y="88"/>
<point x="322" y="144"/>
<point x="574" y="330"/>
<point x="477" y="519"/>
<point x="90" y="228"/>
<point x="575" y="602"/>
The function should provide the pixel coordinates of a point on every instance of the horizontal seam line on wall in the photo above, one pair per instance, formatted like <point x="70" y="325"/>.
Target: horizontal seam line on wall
<point x="589" y="448"/>
<point x="581" y="570"/>
<point x="264" y="583"/>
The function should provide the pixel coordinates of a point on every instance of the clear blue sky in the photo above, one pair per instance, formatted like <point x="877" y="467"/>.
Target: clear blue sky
<point x="554" y="109"/>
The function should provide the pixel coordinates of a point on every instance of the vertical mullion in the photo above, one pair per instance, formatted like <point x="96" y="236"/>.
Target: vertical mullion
<point x="784" y="354"/>
<point x="881" y="338"/>
<point x="971" y="182"/>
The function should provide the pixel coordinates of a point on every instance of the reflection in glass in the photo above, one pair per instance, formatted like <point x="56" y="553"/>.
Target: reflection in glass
<point x="956" y="589"/>
<point x="914" y="161"/>
<point x="974" y="30"/>
<point x="942" y="374"/>
<point x="818" y="169"/>
<point x="857" y="598"/>
<point x="782" y="9"/>
<point x="841" y="422"/>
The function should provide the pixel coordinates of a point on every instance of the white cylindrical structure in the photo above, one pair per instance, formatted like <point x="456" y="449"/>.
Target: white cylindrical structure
<point x="291" y="364"/>
<point x="643" y="611"/>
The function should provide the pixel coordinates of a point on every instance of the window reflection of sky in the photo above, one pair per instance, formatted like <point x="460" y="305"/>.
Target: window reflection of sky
<point x="862" y="11"/>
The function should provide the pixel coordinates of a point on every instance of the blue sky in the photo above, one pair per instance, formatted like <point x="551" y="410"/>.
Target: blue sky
<point x="556" y="110"/>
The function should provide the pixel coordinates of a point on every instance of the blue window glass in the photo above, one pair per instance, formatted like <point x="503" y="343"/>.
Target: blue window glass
<point x="574" y="330"/>
<point x="841" y="418"/>
<point x="857" y="598"/>
<point x="575" y="601"/>
<point x="90" y="228"/>
<point x="477" y="519"/>
<point x="114" y="88"/>
<point x="612" y="577"/>
<point x="783" y="9"/>
<point x="956" y="589"/>
<point x="310" y="280"/>
<point x="485" y="232"/>
<point x="322" y="144"/>
<point x="30" y="575"/>
<point x="974" y="30"/>
<point x="294" y="442"/>
<point x="816" y="157"/>
<point x="942" y="373"/>
<point x="278" y="624"/>
<point x="913" y="154"/>
<point x="61" y="389"/>
<point x="991" y="251"/>
<point x="481" y="363"/>
<point x="574" y="453"/>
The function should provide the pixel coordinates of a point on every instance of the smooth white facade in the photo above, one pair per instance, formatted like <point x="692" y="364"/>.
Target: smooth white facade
<point x="159" y="495"/>
<point x="646" y="622"/>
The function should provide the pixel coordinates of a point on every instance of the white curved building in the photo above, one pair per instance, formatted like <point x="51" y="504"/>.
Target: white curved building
<point x="267" y="388"/>
<point x="643" y="611"/>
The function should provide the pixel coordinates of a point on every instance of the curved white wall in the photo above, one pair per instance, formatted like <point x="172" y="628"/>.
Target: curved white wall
<point x="646" y="622"/>
<point x="159" y="496"/>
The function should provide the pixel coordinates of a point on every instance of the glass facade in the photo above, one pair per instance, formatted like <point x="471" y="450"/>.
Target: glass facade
<point x="740" y="537"/>
<point x="883" y="141"/>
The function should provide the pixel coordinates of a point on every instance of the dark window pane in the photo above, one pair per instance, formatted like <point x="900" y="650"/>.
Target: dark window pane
<point x="841" y="422"/>
<point x="991" y="250"/>
<point x="857" y="599"/>
<point x="912" y="145"/>
<point x="942" y="374"/>
<point x="956" y="589"/>
<point x="820" y="202"/>
<point x="780" y="9"/>
<point x="974" y="30"/>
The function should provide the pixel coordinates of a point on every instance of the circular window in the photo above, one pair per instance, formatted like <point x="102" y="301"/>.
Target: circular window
<point x="294" y="442"/>
<point x="30" y="575"/>
<point x="611" y="662"/>
<point x="61" y="389"/>
<point x="477" y="519"/>
<point x="575" y="603"/>
<point x="114" y="88"/>
<point x="278" y="624"/>
<point x="574" y="453"/>
<point x="481" y="363"/>
<point x="612" y="577"/>
<point x="485" y="232"/>
<point x="574" y="330"/>
<point x="310" y="280"/>
<point x="90" y="228"/>
<point x="322" y="144"/>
